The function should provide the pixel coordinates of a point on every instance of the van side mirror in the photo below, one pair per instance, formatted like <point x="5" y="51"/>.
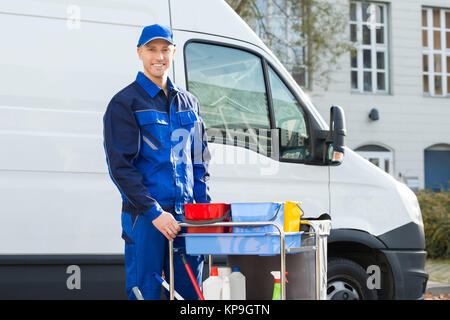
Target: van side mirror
<point x="334" y="145"/>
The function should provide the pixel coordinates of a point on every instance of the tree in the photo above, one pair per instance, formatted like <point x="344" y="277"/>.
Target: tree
<point x="318" y="29"/>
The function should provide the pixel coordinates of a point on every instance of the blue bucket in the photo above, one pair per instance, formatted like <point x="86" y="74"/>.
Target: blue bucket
<point x="257" y="212"/>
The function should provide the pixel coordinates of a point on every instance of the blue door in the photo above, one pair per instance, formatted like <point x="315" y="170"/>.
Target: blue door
<point x="437" y="169"/>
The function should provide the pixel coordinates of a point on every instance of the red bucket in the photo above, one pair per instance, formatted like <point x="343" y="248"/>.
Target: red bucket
<point x="207" y="212"/>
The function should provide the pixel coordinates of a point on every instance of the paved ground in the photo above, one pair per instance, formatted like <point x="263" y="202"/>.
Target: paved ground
<point x="439" y="277"/>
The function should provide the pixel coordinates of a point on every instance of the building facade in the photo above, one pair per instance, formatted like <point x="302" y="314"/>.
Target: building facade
<point x="395" y="87"/>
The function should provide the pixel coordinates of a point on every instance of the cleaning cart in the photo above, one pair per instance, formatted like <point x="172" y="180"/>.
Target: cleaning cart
<point x="267" y="239"/>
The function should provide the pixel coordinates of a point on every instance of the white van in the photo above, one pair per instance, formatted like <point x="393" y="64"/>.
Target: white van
<point x="60" y="227"/>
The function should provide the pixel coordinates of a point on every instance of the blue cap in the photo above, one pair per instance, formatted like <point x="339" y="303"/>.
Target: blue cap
<point x="236" y="269"/>
<point x="155" y="31"/>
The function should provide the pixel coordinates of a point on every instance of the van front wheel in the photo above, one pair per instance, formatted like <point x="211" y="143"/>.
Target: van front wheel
<point x="347" y="280"/>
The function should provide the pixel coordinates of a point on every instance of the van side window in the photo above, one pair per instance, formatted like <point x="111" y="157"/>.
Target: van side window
<point x="229" y="84"/>
<point x="290" y="118"/>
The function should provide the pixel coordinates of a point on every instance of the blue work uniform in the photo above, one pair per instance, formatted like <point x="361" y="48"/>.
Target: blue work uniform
<point x="157" y="156"/>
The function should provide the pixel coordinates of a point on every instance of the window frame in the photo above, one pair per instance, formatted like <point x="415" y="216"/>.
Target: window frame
<point x="430" y="52"/>
<point x="310" y="124"/>
<point x="374" y="48"/>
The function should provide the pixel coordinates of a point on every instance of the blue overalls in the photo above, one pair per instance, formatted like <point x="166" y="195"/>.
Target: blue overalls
<point x="157" y="156"/>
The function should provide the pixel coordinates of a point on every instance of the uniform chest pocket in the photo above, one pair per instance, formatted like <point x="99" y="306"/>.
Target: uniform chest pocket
<point x="155" y="130"/>
<point x="187" y="118"/>
<point x="188" y="121"/>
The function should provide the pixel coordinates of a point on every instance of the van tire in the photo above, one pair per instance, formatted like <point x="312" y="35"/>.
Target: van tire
<point x="347" y="280"/>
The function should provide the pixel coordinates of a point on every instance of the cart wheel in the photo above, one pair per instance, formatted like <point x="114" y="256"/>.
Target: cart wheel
<point x="347" y="280"/>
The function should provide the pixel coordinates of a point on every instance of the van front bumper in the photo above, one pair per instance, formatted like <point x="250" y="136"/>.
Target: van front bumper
<point x="408" y="270"/>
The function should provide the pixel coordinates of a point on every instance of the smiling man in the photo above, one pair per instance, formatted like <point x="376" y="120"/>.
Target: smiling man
<point x="157" y="156"/>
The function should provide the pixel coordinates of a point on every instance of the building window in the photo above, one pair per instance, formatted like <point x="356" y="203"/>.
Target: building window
<point x="378" y="155"/>
<point x="369" y="58"/>
<point x="436" y="51"/>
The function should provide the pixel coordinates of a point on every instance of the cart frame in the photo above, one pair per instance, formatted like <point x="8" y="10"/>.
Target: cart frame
<point x="321" y="231"/>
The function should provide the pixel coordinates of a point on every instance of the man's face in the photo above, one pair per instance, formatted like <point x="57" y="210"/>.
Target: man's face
<point x="157" y="56"/>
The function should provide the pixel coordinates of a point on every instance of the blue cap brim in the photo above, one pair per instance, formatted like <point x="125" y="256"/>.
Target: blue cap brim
<point x="154" y="38"/>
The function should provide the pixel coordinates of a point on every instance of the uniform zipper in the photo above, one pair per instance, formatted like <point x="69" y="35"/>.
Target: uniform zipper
<point x="171" y="150"/>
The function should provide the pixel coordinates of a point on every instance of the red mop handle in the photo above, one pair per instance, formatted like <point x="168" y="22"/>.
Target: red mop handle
<point x="192" y="277"/>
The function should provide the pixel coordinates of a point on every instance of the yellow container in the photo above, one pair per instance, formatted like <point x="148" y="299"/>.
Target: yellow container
<point x="292" y="215"/>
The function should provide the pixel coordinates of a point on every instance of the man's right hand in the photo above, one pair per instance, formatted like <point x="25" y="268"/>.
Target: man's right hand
<point x="167" y="225"/>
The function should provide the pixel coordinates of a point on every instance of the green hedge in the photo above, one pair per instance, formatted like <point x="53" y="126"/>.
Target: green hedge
<point x="435" y="207"/>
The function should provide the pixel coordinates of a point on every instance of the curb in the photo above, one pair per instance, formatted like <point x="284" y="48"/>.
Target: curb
<point x="437" y="288"/>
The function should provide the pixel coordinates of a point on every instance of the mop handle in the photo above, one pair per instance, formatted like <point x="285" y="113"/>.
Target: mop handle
<point x="166" y="285"/>
<point x="192" y="277"/>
